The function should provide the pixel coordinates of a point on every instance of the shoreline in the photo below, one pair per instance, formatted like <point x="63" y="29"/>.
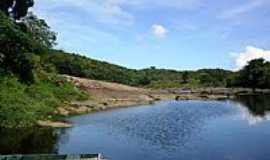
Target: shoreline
<point x="106" y="96"/>
<point x="82" y="110"/>
<point x="65" y="124"/>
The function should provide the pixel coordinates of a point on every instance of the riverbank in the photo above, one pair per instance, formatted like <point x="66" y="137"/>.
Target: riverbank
<point x="104" y="96"/>
<point x="107" y="96"/>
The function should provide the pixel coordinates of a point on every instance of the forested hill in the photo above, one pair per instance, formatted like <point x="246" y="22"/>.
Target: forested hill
<point x="254" y="75"/>
<point x="81" y="66"/>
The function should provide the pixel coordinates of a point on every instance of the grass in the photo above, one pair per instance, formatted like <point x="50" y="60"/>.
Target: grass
<point x="22" y="105"/>
<point x="173" y="84"/>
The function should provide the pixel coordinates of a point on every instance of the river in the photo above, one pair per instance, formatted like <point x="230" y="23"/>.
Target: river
<point x="168" y="130"/>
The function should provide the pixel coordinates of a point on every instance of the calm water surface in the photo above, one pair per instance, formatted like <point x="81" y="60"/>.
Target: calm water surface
<point x="170" y="130"/>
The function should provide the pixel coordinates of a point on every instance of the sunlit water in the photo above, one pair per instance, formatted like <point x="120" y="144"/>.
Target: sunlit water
<point x="170" y="130"/>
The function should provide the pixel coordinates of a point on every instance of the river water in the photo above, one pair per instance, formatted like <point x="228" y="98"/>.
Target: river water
<point x="168" y="130"/>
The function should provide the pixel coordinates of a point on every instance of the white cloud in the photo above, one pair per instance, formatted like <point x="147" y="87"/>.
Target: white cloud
<point x="241" y="9"/>
<point x="241" y="59"/>
<point x="159" y="31"/>
<point x="250" y="117"/>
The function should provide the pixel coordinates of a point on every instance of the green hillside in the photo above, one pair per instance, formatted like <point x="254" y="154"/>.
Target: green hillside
<point x="81" y="66"/>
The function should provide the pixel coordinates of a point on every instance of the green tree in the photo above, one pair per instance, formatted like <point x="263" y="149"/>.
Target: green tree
<point x="185" y="77"/>
<point x="265" y="81"/>
<point x="16" y="8"/>
<point x="144" y="80"/>
<point x="15" y="46"/>
<point x="205" y="79"/>
<point x="39" y="30"/>
<point x="26" y="64"/>
<point x="253" y="74"/>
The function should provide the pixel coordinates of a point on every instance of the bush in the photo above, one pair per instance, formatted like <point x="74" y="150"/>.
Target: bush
<point x="22" y="105"/>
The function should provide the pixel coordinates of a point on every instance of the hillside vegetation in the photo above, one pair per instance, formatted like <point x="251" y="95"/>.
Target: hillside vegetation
<point x="81" y="66"/>
<point x="28" y="93"/>
<point x="256" y="74"/>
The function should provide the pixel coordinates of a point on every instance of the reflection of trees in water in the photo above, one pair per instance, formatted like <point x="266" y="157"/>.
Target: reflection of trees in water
<point x="28" y="141"/>
<point x="258" y="105"/>
<point x="63" y="136"/>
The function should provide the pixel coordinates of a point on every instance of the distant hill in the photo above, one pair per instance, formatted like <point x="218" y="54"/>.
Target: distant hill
<point x="82" y="66"/>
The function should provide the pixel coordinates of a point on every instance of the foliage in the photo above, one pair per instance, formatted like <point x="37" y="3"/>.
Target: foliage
<point x="16" y="8"/>
<point x="164" y="84"/>
<point x="185" y="77"/>
<point x="19" y="48"/>
<point x="22" y="105"/>
<point x="28" y="140"/>
<point x="81" y="66"/>
<point x="214" y="77"/>
<point x="254" y="75"/>
<point x="76" y="65"/>
<point x="21" y="44"/>
<point x="39" y="30"/>
<point x="16" y="49"/>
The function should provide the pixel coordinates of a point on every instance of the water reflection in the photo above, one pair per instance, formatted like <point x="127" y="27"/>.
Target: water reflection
<point x="28" y="141"/>
<point x="255" y="108"/>
<point x="258" y="105"/>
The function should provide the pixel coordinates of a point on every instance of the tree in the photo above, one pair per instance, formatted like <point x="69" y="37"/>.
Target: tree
<point x="185" y="77"/>
<point x="39" y="30"/>
<point x="144" y="80"/>
<point x="15" y="47"/>
<point x="205" y="79"/>
<point x="16" y="8"/>
<point x="26" y="65"/>
<point x="265" y="81"/>
<point x="253" y="74"/>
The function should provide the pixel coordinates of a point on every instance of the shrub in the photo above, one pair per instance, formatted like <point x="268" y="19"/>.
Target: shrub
<point x="22" y="105"/>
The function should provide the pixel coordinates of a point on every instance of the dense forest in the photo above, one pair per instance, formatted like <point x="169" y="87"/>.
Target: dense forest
<point x="31" y="87"/>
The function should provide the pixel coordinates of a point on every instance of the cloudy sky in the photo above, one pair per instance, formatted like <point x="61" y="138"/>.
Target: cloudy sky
<point x="177" y="34"/>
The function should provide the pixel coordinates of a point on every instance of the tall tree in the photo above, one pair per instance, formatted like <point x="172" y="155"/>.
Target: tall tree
<point x="252" y="75"/>
<point x="16" y="48"/>
<point x="16" y="8"/>
<point x="39" y="30"/>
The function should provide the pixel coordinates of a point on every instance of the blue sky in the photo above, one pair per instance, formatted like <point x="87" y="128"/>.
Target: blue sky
<point x="175" y="34"/>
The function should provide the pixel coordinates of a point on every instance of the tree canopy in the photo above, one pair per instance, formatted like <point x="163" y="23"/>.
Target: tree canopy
<point x="255" y="75"/>
<point x="39" y="30"/>
<point x="22" y="43"/>
<point x="16" y="8"/>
